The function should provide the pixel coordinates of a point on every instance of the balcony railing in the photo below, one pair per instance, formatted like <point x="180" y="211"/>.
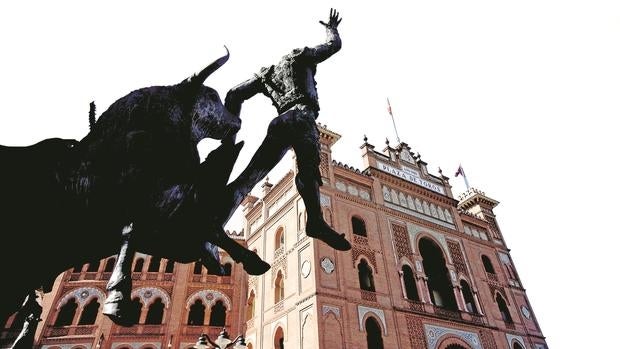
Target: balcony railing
<point x="195" y="331"/>
<point x="447" y="314"/>
<point x="360" y="240"/>
<point x="278" y="307"/>
<point x="415" y="306"/>
<point x="278" y="253"/>
<point x="492" y="277"/>
<point x="86" y="330"/>
<point x="140" y="329"/>
<point x="368" y="295"/>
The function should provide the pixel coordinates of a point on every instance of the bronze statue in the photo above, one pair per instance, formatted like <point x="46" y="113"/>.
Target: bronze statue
<point x="291" y="87"/>
<point x="66" y="202"/>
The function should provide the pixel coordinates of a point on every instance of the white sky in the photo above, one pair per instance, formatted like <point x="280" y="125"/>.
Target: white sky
<point x="523" y="94"/>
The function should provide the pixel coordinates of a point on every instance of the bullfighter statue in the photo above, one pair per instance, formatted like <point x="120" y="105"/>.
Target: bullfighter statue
<point x="291" y="86"/>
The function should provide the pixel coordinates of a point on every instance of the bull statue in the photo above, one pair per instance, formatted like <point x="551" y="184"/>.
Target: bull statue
<point x="135" y="182"/>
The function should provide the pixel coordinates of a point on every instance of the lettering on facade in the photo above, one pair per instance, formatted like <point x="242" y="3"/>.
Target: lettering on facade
<point x="410" y="175"/>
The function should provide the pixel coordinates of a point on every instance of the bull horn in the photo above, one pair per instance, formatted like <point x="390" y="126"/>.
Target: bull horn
<point x="199" y="78"/>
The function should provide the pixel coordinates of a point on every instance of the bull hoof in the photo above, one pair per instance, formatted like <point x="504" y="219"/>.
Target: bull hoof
<point x="320" y="230"/>
<point x="253" y="265"/>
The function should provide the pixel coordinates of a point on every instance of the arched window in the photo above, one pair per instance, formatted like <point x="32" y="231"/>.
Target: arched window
<point x="373" y="334"/>
<point x="279" y="238"/>
<point x="439" y="284"/>
<point x="503" y="308"/>
<point x="109" y="265"/>
<point x="89" y="314"/>
<point x="196" y="314"/>
<point x="135" y="310"/>
<point x="155" y="314"/>
<point x="516" y="345"/>
<point x="411" y="291"/>
<point x="279" y="287"/>
<point x="154" y="264"/>
<point x="93" y="267"/>
<point x="137" y="268"/>
<point x="358" y="226"/>
<point x="455" y="346"/>
<point x="301" y="221"/>
<point x="218" y="314"/>
<point x="249" y="310"/>
<point x="169" y="267"/>
<point x="488" y="266"/>
<point x="278" y="339"/>
<point x="364" y="273"/>
<point x="227" y="269"/>
<point x="66" y="313"/>
<point x="470" y="304"/>
<point x="197" y="268"/>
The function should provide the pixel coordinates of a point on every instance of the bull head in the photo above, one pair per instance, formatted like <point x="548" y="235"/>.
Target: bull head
<point x="210" y="119"/>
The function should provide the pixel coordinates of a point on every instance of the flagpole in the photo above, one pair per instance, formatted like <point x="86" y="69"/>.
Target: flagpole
<point x="393" y="122"/>
<point x="461" y="172"/>
<point x="466" y="182"/>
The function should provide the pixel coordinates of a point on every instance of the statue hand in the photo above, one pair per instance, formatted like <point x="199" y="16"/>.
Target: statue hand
<point x="333" y="19"/>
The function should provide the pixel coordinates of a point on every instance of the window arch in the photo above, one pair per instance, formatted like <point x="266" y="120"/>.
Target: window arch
<point x="373" y="334"/>
<point x="411" y="291"/>
<point x="279" y="238"/>
<point x="503" y="308"/>
<point x="455" y="346"/>
<point x="154" y="264"/>
<point x="278" y="339"/>
<point x="249" y="310"/>
<point x="359" y="226"/>
<point x="155" y="314"/>
<point x="135" y="311"/>
<point x="439" y="284"/>
<point x="137" y="268"/>
<point x="89" y="314"/>
<point x="66" y="313"/>
<point x="364" y="273"/>
<point x="169" y="267"/>
<point x="488" y="266"/>
<point x="197" y="268"/>
<point x="279" y="287"/>
<point x="218" y="314"/>
<point x="516" y="345"/>
<point x="227" y="269"/>
<point x="468" y="296"/>
<point x="196" y="315"/>
<point x="93" y="267"/>
<point x="109" y="265"/>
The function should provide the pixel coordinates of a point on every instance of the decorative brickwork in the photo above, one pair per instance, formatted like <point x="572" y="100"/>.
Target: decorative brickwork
<point x="369" y="255"/>
<point x="457" y="257"/>
<point x="488" y="342"/>
<point x="496" y="288"/>
<point x="401" y="241"/>
<point x="416" y="333"/>
<point x="324" y="166"/>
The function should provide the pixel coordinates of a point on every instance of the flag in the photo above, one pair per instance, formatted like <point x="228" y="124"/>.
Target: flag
<point x="460" y="172"/>
<point x="390" y="108"/>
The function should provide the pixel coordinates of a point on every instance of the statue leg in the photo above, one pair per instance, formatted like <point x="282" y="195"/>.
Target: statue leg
<point x="252" y="263"/>
<point x="308" y="180"/>
<point x="116" y="305"/>
<point x="267" y="156"/>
